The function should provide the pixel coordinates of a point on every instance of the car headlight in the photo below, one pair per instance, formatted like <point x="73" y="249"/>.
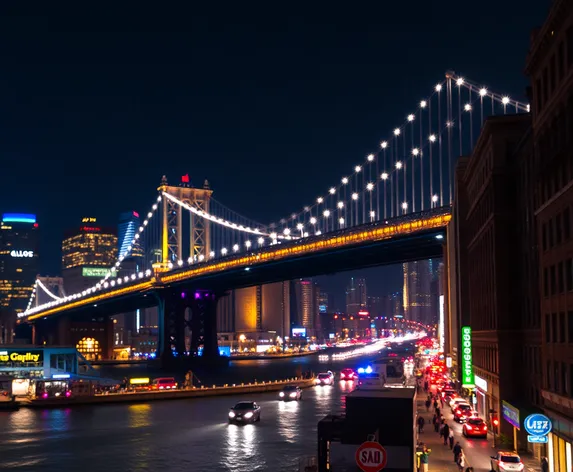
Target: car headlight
<point x="231" y="414"/>
<point x="281" y="394"/>
<point x="292" y="395"/>
<point x="316" y="381"/>
<point x="248" y="415"/>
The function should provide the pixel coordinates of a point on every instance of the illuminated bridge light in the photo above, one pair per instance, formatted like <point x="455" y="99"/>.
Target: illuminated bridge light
<point x="353" y="237"/>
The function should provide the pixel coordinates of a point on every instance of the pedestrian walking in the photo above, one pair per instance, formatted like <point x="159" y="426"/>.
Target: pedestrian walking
<point x="436" y="423"/>
<point x="426" y="386"/>
<point x="421" y="422"/>
<point x="451" y="439"/>
<point x="544" y="464"/>
<point x="441" y="429"/>
<point x="461" y="462"/>
<point x="428" y="403"/>
<point x="435" y="404"/>
<point x="446" y="434"/>
<point x="438" y="411"/>
<point x="457" y="450"/>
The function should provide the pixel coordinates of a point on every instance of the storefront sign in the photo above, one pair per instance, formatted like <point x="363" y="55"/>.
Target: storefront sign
<point x="95" y="272"/>
<point x="467" y="366"/>
<point x="538" y="426"/>
<point x="16" y="253"/>
<point x="537" y="439"/>
<point x="480" y="383"/>
<point x="89" y="220"/>
<point x="510" y="414"/>
<point x="21" y="356"/>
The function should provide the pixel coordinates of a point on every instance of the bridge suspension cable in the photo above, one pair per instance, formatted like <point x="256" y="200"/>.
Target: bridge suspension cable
<point x="408" y="171"/>
<point x="115" y="272"/>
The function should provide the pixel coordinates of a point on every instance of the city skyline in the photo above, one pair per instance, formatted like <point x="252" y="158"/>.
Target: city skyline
<point x="137" y="139"/>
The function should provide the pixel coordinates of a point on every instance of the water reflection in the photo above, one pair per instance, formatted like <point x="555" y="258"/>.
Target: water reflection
<point x="241" y="452"/>
<point x="347" y="386"/>
<point x="139" y="415"/>
<point x="288" y="421"/>
<point x="58" y="419"/>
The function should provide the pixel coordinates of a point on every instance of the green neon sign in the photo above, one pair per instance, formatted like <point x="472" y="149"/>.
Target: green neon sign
<point x="467" y="361"/>
<point x="96" y="271"/>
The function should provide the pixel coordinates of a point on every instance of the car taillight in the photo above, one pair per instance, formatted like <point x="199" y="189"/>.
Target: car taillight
<point x="468" y="427"/>
<point x="342" y="376"/>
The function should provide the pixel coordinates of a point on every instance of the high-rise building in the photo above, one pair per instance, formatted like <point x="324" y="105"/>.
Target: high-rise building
<point x="305" y="304"/>
<point x="18" y="268"/>
<point x="375" y="306"/>
<point x="323" y="302"/>
<point x="417" y="291"/>
<point x="89" y="252"/>
<point x="549" y="202"/>
<point x="356" y="299"/>
<point x="129" y="223"/>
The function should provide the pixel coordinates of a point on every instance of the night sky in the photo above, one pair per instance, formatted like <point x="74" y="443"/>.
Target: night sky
<point x="271" y="105"/>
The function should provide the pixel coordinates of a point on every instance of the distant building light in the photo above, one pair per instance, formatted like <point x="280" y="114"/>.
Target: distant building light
<point x="18" y="218"/>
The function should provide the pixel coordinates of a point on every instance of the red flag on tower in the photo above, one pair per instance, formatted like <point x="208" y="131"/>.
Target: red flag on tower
<point x="185" y="178"/>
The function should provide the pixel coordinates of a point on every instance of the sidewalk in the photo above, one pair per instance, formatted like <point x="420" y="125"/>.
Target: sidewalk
<point x="441" y="457"/>
<point x="477" y="452"/>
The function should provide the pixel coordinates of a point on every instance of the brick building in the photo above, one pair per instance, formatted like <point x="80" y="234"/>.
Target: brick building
<point x="550" y="67"/>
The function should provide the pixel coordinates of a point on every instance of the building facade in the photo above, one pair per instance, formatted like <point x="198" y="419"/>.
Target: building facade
<point x="417" y="291"/>
<point x="550" y="68"/>
<point x="18" y="268"/>
<point x="356" y="295"/>
<point x="89" y="252"/>
<point x="487" y="233"/>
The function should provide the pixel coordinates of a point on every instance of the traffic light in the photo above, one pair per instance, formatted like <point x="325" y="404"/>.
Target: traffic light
<point x="495" y="423"/>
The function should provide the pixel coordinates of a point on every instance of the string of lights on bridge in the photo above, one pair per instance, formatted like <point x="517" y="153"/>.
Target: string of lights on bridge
<point x="314" y="220"/>
<point x="319" y="213"/>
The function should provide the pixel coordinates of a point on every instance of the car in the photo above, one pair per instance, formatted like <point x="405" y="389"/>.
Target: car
<point x="325" y="378"/>
<point x="457" y="401"/>
<point x="505" y="461"/>
<point x="163" y="383"/>
<point x="475" y="428"/>
<point x="291" y="392"/>
<point x="245" y="412"/>
<point x="348" y="374"/>
<point x="462" y="412"/>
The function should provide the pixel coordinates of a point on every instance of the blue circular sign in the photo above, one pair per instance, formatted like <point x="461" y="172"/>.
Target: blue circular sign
<point x="537" y="425"/>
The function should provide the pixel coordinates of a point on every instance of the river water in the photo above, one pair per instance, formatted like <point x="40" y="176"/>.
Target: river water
<point x="179" y="435"/>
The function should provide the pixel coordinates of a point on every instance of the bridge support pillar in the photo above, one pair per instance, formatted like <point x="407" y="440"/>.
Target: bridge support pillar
<point x="187" y="324"/>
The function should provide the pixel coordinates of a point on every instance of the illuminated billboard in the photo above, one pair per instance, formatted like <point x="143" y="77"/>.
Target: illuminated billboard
<point x="100" y="272"/>
<point x="322" y="308"/>
<point x="467" y="360"/>
<point x="299" y="332"/>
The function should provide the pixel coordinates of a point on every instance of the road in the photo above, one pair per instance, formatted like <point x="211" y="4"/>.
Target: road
<point x="189" y="435"/>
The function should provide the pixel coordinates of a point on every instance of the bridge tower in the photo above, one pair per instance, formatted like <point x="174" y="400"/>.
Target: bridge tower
<point x="199" y="228"/>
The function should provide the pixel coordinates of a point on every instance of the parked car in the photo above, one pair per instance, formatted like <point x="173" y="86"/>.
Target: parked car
<point x="505" y="461"/>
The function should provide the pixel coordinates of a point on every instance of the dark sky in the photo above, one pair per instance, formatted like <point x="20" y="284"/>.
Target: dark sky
<point x="271" y="105"/>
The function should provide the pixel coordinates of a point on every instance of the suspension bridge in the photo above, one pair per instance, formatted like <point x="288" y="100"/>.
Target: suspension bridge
<point x="393" y="206"/>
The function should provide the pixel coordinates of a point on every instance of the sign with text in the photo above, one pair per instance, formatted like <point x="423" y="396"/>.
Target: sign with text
<point x="510" y="414"/>
<point x="467" y="360"/>
<point x="21" y="356"/>
<point x="537" y="425"/>
<point x="371" y="457"/>
<point x="89" y="220"/>
<point x="538" y="439"/>
<point x="95" y="272"/>
<point x="17" y="253"/>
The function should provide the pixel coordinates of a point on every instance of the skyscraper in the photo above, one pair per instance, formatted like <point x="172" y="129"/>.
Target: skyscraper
<point x="88" y="254"/>
<point x="418" y="291"/>
<point x="305" y="304"/>
<point x="18" y="267"/>
<point x="128" y="227"/>
<point x="356" y="298"/>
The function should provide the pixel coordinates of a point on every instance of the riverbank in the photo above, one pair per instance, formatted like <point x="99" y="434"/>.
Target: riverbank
<point x="120" y="362"/>
<point x="144" y="397"/>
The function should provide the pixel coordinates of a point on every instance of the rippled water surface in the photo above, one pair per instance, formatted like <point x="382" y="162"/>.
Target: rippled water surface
<point x="181" y="435"/>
